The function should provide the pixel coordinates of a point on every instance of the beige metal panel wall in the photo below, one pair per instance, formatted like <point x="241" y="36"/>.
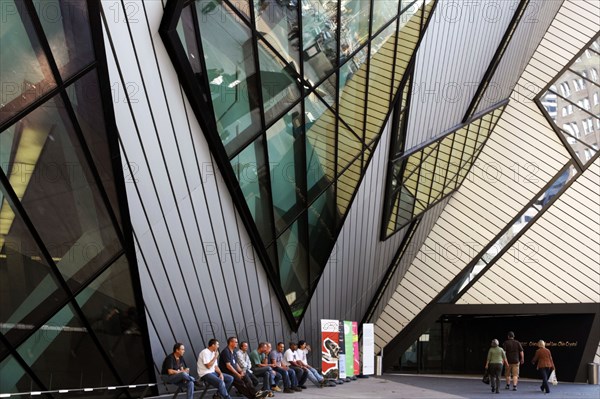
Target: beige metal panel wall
<point x="557" y="260"/>
<point x="521" y="156"/>
<point x="457" y="47"/>
<point x="574" y="25"/>
<point x="499" y="185"/>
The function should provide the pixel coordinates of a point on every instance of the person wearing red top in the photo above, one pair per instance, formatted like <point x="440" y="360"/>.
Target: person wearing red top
<point x="545" y="364"/>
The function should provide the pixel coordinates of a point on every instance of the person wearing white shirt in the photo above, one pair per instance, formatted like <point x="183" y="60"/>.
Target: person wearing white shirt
<point x="313" y="375"/>
<point x="209" y="372"/>
<point x="290" y="359"/>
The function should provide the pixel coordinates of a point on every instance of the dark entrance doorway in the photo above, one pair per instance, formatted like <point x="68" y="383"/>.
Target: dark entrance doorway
<point x="458" y="344"/>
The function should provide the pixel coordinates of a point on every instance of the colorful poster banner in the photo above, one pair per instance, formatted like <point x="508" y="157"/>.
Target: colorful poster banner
<point x="368" y="354"/>
<point x="355" y="344"/>
<point x="330" y="349"/>
<point x="342" y="344"/>
<point x="349" y="344"/>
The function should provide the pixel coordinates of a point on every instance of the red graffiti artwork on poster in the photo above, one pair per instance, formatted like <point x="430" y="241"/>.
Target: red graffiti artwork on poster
<point x="330" y="348"/>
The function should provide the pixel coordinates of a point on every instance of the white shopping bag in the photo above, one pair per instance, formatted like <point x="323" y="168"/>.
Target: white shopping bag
<point x="552" y="379"/>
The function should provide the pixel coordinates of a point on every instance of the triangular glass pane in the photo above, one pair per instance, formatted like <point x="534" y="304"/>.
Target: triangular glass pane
<point x="349" y="147"/>
<point x="279" y="89"/>
<point x="56" y="187"/>
<point x="109" y="303"/>
<point x="319" y="33"/>
<point x="277" y="22"/>
<point x="250" y="168"/>
<point x="346" y="186"/>
<point x="35" y="292"/>
<point x="320" y="142"/>
<point x="294" y="275"/>
<point x="65" y="337"/>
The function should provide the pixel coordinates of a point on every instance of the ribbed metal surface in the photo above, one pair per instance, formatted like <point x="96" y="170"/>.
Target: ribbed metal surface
<point x="528" y="34"/>
<point x="557" y="260"/>
<point x="500" y="184"/>
<point x="457" y="48"/>
<point x="522" y="155"/>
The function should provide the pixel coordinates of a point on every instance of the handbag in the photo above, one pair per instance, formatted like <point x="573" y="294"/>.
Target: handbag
<point x="552" y="379"/>
<point x="486" y="377"/>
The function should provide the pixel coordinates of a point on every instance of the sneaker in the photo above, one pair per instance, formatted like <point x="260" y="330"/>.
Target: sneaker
<point x="515" y="388"/>
<point x="276" y="389"/>
<point x="270" y="394"/>
<point x="507" y="386"/>
<point x="302" y="386"/>
<point x="288" y="390"/>
<point x="261" y="394"/>
<point x="297" y="388"/>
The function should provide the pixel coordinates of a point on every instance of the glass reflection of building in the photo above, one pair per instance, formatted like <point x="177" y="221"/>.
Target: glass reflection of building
<point x="299" y="94"/>
<point x="69" y="289"/>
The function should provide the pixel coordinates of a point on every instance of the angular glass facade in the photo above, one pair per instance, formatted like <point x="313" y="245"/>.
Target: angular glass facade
<point x="293" y="97"/>
<point x="418" y="180"/>
<point x="67" y="282"/>
<point x="572" y="103"/>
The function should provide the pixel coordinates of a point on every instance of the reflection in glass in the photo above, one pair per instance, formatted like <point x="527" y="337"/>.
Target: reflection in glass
<point x="49" y="173"/>
<point x="9" y="367"/>
<point x="572" y="104"/>
<point x="279" y="89"/>
<point x="67" y="28"/>
<point x="293" y="273"/>
<point x="109" y="305"/>
<point x="277" y="21"/>
<point x="24" y="71"/>
<point x="250" y="168"/>
<point x="355" y="25"/>
<point x="85" y="99"/>
<point x="56" y="359"/>
<point x="230" y="64"/>
<point x="383" y="11"/>
<point x="187" y="35"/>
<point x="284" y="143"/>
<point x="319" y="36"/>
<point x="28" y="288"/>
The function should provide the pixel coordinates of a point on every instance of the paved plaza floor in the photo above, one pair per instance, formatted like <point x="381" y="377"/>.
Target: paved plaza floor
<point x="397" y="386"/>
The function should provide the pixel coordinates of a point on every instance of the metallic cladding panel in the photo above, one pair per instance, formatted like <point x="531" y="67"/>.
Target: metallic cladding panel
<point x="457" y="48"/>
<point x="534" y="23"/>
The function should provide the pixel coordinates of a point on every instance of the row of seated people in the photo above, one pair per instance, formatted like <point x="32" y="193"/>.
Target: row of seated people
<point x="235" y="366"/>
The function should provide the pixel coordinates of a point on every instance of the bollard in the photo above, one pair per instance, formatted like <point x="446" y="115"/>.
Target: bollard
<point x="593" y="369"/>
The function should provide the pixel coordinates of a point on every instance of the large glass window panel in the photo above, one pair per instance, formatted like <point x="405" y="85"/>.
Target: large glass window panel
<point x="285" y="146"/>
<point x="322" y="221"/>
<point x="319" y="36"/>
<point x="279" y="89"/>
<point x="355" y="25"/>
<point x="293" y="270"/>
<point x="50" y="175"/>
<point x="384" y="11"/>
<point x="67" y="27"/>
<point x="353" y="84"/>
<point x="320" y="142"/>
<point x="349" y="148"/>
<point x="10" y="367"/>
<point x="25" y="74"/>
<point x="85" y="99"/>
<point x="250" y="168"/>
<point x="345" y="186"/>
<point x="60" y="354"/>
<point x="230" y="63"/>
<point x="29" y="291"/>
<point x="277" y="21"/>
<point x="109" y="305"/>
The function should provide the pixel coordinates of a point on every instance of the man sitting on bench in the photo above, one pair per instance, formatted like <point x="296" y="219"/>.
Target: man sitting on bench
<point x="175" y="371"/>
<point x="209" y="372"/>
